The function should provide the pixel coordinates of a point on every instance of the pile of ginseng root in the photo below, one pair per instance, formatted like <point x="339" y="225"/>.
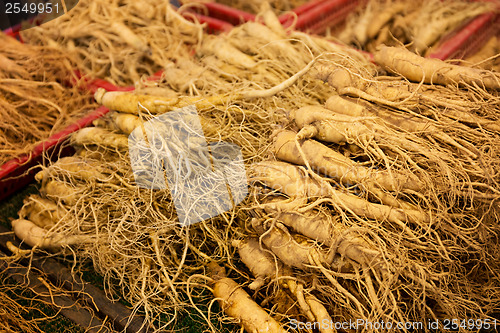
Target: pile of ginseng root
<point x="419" y="25"/>
<point x="382" y="205"/>
<point x="372" y="197"/>
<point x="36" y="99"/>
<point x="90" y="205"/>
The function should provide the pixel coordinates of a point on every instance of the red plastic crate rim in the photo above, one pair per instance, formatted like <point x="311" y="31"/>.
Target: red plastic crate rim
<point x="470" y="39"/>
<point x="17" y="173"/>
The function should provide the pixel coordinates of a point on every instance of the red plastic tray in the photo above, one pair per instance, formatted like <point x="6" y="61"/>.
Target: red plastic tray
<point x="323" y="15"/>
<point x="469" y="39"/>
<point x="214" y="25"/>
<point x="19" y="172"/>
<point x="314" y="16"/>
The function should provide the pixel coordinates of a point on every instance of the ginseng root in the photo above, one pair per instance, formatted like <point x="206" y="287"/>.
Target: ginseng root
<point x="416" y="68"/>
<point x="237" y="304"/>
<point x="33" y="235"/>
<point x="333" y="164"/>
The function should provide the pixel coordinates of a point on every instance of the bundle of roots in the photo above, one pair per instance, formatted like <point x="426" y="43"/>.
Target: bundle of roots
<point x="373" y="202"/>
<point x="374" y="208"/>
<point x="120" y="41"/>
<point x="419" y="25"/>
<point x="91" y="203"/>
<point x="35" y="100"/>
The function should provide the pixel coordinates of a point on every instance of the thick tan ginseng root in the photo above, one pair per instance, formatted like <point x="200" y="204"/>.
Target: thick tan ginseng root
<point x="382" y="18"/>
<point x="333" y="164"/>
<point x="129" y="102"/>
<point x="100" y="137"/>
<point x="287" y="248"/>
<point x="416" y="68"/>
<point x="41" y="211"/>
<point x="33" y="235"/>
<point x="126" y="122"/>
<point x="58" y="190"/>
<point x="237" y="304"/>
<point x="322" y="227"/>
<point x="76" y="167"/>
<point x="263" y="265"/>
<point x="404" y="122"/>
<point x="292" y="181"/>
<point x="437" y="18"/>
<point x="405" y="95"/>
<point x="372" y="131"/>
<point x="128" y="36"/>
<point x="223" y="50"/>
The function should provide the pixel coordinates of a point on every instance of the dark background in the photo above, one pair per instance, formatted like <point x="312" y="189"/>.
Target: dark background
<point x="9" y="20"/>
<point x="12" y="19"/>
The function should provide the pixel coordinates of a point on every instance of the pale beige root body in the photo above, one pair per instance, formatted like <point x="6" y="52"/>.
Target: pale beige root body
<point x="33" y="235"/>
<point x="223" y="50"/>
<point x="416" y="68"/>
<point x="327" y="230"/>
<point x="236" y="303"/>
<point x="75" y="167"/>
<point x="401" y="121"/>
<point x="100" y="137"/>
<point x="41" y="211"/>
<point x="326" y="161"/>
<point x="406" y="96"/>
<point x="126" y="122"/>
<point x="382" y="18"/>
<point x="405" y="122"/>
<point x="292" y="252"/>
<point x="128" y="102"/>
<point x="290" y="180"/>
<point x="437" y="18"/>
<point x="130" y="37"/>
<point x="59" y="190"/>
<point x="262" y="264"/>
